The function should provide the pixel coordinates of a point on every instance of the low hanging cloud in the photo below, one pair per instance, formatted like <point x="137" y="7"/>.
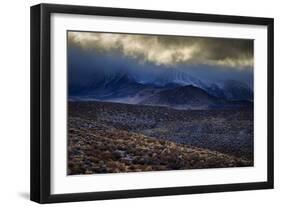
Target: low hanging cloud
<point x="169" y="50"/>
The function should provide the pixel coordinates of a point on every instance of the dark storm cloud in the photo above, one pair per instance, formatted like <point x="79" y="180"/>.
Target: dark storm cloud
<point x="170" y="50"/>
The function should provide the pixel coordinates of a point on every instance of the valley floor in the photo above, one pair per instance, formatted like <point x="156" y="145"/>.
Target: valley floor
<point x="111" y="137"/>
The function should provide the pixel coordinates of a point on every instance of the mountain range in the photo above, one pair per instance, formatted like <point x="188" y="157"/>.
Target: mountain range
<point x="182" y="92"/>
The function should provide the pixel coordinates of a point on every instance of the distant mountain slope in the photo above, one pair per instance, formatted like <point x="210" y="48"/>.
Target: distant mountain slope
<point x="231" y="90"/>
<point x="119" y="88"/>
<point x="183" y="97"/>
<point x="113" y="88"/>
<point x="236" y="90"/>
<point x="191" y="97"/>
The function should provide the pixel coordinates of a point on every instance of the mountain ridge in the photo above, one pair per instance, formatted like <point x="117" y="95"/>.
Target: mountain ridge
<point x="125" y="89"/>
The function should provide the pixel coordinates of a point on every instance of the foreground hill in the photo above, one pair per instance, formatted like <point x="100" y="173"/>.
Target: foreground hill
<point x="113" y="137"/>
<point x="95" y="148"/>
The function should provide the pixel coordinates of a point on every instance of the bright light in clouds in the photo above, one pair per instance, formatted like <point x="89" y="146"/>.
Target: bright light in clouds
<point x="169" y="50"/>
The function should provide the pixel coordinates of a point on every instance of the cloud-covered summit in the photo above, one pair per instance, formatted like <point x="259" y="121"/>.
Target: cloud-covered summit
<point x="169" y="50"/>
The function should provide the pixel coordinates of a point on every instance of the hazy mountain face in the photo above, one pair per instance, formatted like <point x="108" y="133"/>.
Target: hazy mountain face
<point x="112" y="76"/>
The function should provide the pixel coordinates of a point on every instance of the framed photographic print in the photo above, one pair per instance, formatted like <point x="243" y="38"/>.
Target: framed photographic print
<point x="133" y="103"/>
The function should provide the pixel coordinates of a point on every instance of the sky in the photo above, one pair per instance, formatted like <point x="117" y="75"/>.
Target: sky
<point x="150" y="57"/>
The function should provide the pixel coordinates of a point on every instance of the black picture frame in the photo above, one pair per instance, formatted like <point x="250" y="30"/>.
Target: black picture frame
<point x="41" y="95"/>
